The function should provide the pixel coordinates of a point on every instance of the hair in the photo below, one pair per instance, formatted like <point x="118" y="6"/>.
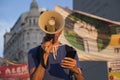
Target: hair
<point x="48" y="37"/>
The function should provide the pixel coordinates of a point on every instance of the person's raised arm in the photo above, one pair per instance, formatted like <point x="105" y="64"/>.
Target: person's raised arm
<point x="37" y="73"/>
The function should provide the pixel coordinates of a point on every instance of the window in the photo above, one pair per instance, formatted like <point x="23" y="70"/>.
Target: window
<point x="28" y="35"/>
<point x="28" y="45"/>
<point x="23" y="37"/>
<point x="30" y="22"/>
<point x="23" y="46"/>
<point x="34" y="43"/>
<point x="34" y="21"/>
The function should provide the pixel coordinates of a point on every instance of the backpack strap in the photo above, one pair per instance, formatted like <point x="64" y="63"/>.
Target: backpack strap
<point x="38" y="53"/>
<point x="40" y="59"/>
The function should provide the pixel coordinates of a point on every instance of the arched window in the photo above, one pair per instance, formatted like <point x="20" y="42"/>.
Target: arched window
<point x="34" y="21"/>
<point x="28" y="35"/>
<point x="30" y="21"/>
<point x="28" y="45"/>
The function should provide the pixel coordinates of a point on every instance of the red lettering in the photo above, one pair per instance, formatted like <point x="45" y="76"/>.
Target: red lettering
<point x="111" y="77"/>
<point x="14" y="71"/>
<point x="7" y="71"/>
<point x="119" y="41"/>
<point x="18" y="69"/>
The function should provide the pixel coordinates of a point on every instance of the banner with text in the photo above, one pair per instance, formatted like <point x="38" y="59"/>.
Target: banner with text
<point x="114" y="70"/>
<point x="14" y="71"/>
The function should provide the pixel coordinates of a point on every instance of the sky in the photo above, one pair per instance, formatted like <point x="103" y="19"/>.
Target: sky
<point x="10" y="10"/>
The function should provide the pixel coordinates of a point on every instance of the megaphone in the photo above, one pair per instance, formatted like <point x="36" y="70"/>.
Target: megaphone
<point x="51" y="22"/>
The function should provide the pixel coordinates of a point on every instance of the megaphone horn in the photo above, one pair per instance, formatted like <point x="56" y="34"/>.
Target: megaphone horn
<point x="51" y="22"/>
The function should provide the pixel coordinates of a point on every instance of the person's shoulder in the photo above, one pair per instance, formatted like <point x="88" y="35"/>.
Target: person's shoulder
<point x="67" y="47"/>
<point x="33" y="50"/>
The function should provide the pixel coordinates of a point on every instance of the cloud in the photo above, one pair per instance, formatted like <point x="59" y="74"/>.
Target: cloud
<point x="5" y="27"/>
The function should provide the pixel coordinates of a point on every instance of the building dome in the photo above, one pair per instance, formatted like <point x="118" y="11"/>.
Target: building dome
<point x="34" y="10"/>
<point x="34" y="5"/>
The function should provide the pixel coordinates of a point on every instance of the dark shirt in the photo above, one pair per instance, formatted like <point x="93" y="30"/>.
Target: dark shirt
<point x="54" y="71"/>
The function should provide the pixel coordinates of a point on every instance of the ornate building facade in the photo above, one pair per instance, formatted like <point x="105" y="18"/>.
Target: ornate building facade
<point x="24" y="35"/>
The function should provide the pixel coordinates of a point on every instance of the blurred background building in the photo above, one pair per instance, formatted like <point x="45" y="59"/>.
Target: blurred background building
<point x="109" y="9"/>
<point x="24" y="35"/>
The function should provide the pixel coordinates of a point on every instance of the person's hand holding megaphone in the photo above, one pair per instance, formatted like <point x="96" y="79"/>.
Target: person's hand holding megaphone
<point x="47" y="48"/>
<point x="51" y="41"/>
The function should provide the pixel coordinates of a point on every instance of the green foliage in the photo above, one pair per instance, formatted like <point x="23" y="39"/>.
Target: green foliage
<point x="72" y="39"/>
<point x="97" y="23"/>
<point x="113" y="29"/>
<point x="100" y="44"/>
